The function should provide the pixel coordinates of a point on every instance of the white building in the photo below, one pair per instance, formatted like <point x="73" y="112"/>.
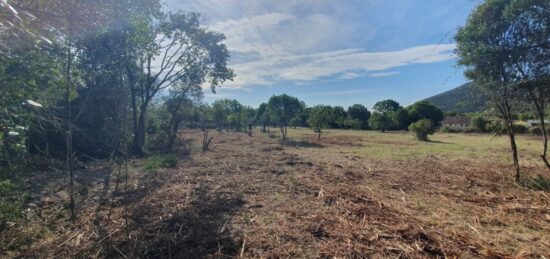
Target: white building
<point x="536" y="123"/>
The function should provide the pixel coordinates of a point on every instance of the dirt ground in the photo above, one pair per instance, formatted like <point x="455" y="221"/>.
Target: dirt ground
<point x="254" y="197"/>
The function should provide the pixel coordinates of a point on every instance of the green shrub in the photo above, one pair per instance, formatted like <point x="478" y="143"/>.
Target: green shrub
<point x="479" y="124"/>
<point x="496" y="126"/>
<point x="165" y="161"/>
<point x="422" y="129"/>
<point x="9" y="211"/>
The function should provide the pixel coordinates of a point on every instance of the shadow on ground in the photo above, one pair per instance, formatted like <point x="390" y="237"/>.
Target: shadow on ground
<point x="302" y="144"/>
<point x="200" y="229"/>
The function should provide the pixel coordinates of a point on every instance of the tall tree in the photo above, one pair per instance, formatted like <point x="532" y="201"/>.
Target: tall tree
<point x="177" y="43"/>
<point x="425" y="110"/>
<point x="382" y="118"/>
<point x="486" y="49"/>
<point x="361" y="113"/>
<point x="319" y="118"/>
<point x="283" y="108"/>
<point x="530" y="32"/>
<point x="262" y="116"/>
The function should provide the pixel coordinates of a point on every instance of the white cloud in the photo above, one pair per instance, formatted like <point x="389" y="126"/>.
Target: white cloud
<point x="307" y="40"/>
<point x="383" y="74"/>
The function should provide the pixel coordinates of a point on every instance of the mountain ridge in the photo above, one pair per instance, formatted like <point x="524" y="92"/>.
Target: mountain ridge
<point x="462" y="99"/>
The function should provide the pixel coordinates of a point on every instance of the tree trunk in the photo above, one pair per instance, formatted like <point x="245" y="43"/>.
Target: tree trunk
<point x="544" y="139"/>
<point x="69" y="133"/>
<point x="539" y="102"/>
<point x="319" y="135"/>
<point x="514" y="153"/>
<point x="139" y="132"/>
<point x="283" y="134"/>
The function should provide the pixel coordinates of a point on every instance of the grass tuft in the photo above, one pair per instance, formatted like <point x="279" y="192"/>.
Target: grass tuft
<point x="154" y="163"/>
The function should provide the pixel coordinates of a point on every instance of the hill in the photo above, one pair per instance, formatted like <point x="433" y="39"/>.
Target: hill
<point x="465" y="98"/>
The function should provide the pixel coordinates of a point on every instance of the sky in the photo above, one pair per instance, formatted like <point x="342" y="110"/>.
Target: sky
<point x="336" y="52"/>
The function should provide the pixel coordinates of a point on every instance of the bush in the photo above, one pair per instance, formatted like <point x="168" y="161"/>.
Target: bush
<point x="496" y="126"/>
<point x="479" y="124"/>
<point x="422" y="129"/>
<point x="164" y="161"/>
<point x="519" y="128"/>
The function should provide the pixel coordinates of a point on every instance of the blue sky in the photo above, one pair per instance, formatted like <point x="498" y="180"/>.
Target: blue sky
<point x="336" y="52"/>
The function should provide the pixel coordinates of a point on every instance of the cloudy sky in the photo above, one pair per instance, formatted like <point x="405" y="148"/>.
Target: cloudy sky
<point x="336" y="52"/>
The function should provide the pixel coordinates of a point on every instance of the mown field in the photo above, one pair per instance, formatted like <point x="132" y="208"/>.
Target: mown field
<point x="354" y="194"/>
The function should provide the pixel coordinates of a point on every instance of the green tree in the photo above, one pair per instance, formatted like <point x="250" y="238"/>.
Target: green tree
<point x="181" y="45"/>
<point x="402" y="119"/>
<point x="382" y="118"/>
<point x="424" y="110"/>
<point x="338" y="117"/>
<point x="262" y="116"/>
<point x="422" y="128"/>
<point x="360" y="114"/>
<point x="386" y="106"/>
<point x="528" y="23"/>
<point x="380" y="121"/>
<point x="319" y="118"/>
<point x="488" y="51"/>
<point x="282" y="109"/>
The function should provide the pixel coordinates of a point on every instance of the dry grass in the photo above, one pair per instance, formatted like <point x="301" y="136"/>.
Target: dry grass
<point x="254" y="197"/>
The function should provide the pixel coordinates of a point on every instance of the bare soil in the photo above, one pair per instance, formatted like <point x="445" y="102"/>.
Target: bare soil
<point x="255" y="197"/>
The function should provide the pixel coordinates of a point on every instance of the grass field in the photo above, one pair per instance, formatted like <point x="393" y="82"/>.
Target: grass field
<point x="354" y="194"/>
<point x="403" y="146"/>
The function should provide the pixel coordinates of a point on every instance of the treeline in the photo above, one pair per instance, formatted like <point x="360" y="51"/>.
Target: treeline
<point x="285" y="111"/>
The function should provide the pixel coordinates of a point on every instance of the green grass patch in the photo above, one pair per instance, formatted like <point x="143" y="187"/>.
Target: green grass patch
<point x="404" y="146"/>
<point x="152" y="164"/>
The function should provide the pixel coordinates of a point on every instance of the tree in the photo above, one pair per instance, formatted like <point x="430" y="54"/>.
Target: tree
<point x="262" y="116"/>
<point x="424" y="110"/>
<point x="487" y="51"/>
<point x="382" y="118"/>
<point x="528" y="31"/>
<point x="206" y="115"/>
<point x="174" y="46"/>
<point x="422" y="128"/>
<point x="386" y="106"/>
<point x="182" y="96"/>
<point x="361" y="114"/>
<point x="402" y="119"/>
<point x="338" y="117"/>
<point x="283" y="108"/>
<point x="380" y="121"/>
<point x="319" y="118"/>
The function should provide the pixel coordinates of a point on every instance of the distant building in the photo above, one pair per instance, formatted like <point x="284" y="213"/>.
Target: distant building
<point x="456" y="122"/>
<point x="536" y="123"/>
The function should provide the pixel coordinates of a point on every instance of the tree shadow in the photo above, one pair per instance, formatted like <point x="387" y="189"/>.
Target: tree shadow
<point x="200" y="230"/>
<point x="301" y="144"/>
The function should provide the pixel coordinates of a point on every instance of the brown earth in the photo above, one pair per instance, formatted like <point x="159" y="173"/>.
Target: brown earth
<point x="254" y="197"/>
